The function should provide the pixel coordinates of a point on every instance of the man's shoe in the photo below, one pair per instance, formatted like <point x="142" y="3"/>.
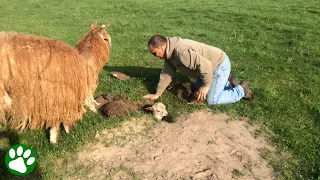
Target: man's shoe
<point x="233" y="81"/>
<point x="248" y="94"/>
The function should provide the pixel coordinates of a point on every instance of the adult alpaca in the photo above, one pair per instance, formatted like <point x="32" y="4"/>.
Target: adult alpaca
<point x="45" y="82"/>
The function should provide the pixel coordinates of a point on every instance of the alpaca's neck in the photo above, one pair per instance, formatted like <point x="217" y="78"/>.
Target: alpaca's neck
<point x="94" y="51"/>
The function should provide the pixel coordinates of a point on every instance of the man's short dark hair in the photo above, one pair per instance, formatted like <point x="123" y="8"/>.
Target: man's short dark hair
<point x="157" y="41"/>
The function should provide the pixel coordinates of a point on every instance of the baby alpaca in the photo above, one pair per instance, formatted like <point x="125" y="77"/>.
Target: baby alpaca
<point x="159" y="110"/>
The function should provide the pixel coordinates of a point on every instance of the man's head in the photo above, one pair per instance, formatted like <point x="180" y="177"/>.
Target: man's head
<point x="157" y="45"/>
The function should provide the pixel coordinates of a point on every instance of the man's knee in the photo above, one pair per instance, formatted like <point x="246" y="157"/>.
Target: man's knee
<point x="212" y="101"/>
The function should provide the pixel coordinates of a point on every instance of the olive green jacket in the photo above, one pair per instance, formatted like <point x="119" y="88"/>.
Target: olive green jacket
<point x="192" y="58"/>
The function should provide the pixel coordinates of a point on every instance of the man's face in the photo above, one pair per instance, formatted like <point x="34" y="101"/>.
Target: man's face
<point x="159" y="52"/>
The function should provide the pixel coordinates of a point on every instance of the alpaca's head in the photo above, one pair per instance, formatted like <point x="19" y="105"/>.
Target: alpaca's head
<point x="101" y="31"/>
<point x="159" y="110"/>
<point x="96" y="42"/>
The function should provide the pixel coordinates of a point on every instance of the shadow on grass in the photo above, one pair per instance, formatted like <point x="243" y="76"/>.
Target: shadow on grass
<point x="13" y="139"/>
<point x="151" y="75"/>
<point x="315" y="115"/>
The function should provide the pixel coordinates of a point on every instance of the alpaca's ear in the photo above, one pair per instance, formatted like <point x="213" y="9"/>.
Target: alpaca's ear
<point x="150" y="108"/>
<point x="94" y="25"/>
<point x="105" y="26"/>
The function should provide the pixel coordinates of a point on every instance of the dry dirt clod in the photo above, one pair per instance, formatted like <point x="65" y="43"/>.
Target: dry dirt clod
<point x="120" y="75"/>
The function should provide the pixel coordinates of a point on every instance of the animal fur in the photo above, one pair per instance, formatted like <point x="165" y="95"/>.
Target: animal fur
<point x="45" y="82"/>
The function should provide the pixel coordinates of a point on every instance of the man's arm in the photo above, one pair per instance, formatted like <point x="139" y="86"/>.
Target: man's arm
<point x="166" y="77"/>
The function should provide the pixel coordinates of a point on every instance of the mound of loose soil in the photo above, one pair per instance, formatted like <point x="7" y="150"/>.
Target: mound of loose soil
<point x="185" y="91"/>
<point x="182" y="90"/>
<point x="118" y="106"/>
<point x="201" y="145"/>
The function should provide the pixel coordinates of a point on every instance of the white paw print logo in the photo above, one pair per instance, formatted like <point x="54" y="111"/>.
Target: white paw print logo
<point x="20" y="160"/>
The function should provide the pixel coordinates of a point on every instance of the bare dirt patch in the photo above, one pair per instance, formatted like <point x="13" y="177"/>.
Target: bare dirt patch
<point x="201" y="145"/>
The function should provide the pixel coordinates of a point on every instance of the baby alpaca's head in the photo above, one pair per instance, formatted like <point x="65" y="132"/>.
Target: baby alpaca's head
<point x="159" y="110"/>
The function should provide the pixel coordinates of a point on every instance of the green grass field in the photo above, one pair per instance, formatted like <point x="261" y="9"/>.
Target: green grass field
<point x="274" y="45"/>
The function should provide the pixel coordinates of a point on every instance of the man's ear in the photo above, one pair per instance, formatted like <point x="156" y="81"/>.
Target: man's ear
<point x="164" y="47"/>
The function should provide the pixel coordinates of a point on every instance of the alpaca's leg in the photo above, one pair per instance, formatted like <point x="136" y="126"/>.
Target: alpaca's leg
<point x="91" y="103"/>
<point x="5" y="102"/>
<point x="95" y="102"/>
<point x="54" y="133"/>
<point x="66" y="128"/>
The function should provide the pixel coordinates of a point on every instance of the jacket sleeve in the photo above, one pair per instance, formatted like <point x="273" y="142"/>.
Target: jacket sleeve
<point x="166" y="77"/>
<point x="200" y="64"/>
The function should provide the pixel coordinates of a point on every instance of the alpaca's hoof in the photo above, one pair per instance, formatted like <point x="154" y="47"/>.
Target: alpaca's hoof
<point x="53" y="141"/>
<point x="93" y="109"/>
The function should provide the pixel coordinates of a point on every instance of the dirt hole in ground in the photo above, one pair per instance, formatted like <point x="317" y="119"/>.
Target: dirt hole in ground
<point x="201" y="145"/>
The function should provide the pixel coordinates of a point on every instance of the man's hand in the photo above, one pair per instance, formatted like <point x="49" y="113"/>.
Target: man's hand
<point x="202" y="93"/>
<point x="151" y="96"/>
